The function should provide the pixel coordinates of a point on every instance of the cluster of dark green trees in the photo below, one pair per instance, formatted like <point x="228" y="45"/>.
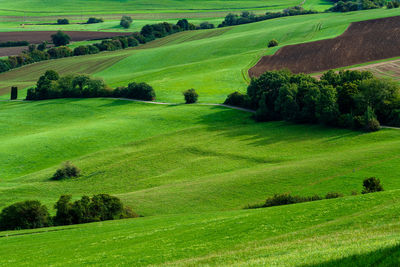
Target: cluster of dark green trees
<point x="14" y="44"/>
<point x="352" y="5"/>
<point x="348" y="99"/>
<point x="52" y="86"/>
<point x="32" y="214"/>
<point x="393" y="4"/>
<point x="60" y="39"/>
<point x="249" y="17"/>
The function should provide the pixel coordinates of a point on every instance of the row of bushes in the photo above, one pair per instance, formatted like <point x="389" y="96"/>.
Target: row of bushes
<point x="348" y="99"/>
<point x="249" y="17"/>
<point x="287" y="199"/>
<point x="52" y="86"/>
<point x="370" y="185"/>
<point x="14" y="44"/>
<point x="32" y="214"/>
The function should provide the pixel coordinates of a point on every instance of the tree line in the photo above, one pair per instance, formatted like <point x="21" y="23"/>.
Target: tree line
<point x="351" y="5"/>
<point x="52" y="86"/>
<point x="249" y="17"/>
<point x="348" y="99"/>
<point x="32" y="214"/>
<point x="370" y="185"/>
<point x="37" y="53"/>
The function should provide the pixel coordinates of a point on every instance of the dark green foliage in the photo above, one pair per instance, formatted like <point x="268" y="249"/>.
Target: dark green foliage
<point x="287" y="199"/>
<point x="238" y="99"/>
<point x="349" y="99"/>
<point x="351" y="5"/>
<point x="24" y="215"/>
<point x="14" y="43"/>
<point x="60" y="38"/>
<point x="100" y="207"/>
<point x="190" y="96"/>
<point x="273" y="43"/>
<point x="14" y="93"/>
<point x="4" y="65"/>
<point x="206" y="25"/>
<point x="60" y="52"/>
<point x="132" y="42"/>
<point x="126" y="22"/>
<point x="333" y="195"/>
<point x="393" y="4"/>
<point x="81" y="50"/>
<point x="42" y="46"/>
<point x="62" y="21"/>
<point x="140" y="91"/>
<point x="68" y="170"/>
<point x="249" y="17"/>
<point x="94" y="20"/>
<point x="371" y="185"/>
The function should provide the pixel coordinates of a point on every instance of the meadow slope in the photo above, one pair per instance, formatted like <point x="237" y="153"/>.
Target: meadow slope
<point x="214" y="62"/>
<point x="181" y="159"/>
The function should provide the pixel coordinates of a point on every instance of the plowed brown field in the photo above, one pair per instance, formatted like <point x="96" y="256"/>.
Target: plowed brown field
<point x="362" y="42"/>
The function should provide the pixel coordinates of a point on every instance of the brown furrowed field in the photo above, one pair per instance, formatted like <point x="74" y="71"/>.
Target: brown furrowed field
<point x="363" y="41"/>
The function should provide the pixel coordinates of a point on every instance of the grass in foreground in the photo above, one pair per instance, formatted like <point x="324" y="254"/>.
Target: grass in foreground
<point x="352" y="231"/>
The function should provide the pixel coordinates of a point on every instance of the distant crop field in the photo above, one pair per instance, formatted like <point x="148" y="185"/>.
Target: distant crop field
<point x="77" y="7"/>
<point x="214" y="62"/>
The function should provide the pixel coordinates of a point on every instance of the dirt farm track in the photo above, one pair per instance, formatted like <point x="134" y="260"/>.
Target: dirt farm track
<point x="362" y="42"/>
<point x="36" y="37"/>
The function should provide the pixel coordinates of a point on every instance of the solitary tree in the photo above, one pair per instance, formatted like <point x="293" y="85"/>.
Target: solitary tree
<point x="272" y="43"/>
<point x="60" y="38"/>
<point x="14" y="93"/>
<point x="190" y="96"/>
<point x="126" y="22"/>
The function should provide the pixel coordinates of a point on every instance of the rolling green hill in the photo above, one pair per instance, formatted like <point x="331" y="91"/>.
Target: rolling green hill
<point x="352" y="231"/>
<point x="164" y="159"/>
<point x="191" y="169"/>
<point x="214" y="62"/>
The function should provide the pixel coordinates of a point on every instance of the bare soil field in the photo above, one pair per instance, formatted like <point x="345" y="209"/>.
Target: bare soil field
<point x="12" y="51"/>
<point x="36" y="37"/>
<point x="363" y="41"/>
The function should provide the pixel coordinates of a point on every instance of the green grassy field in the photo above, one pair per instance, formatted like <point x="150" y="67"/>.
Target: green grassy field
<point x="191" y="169"/>
<point x="214" y="62"/>
<point x="78" y="7"/>
<point x="178" y="159"/>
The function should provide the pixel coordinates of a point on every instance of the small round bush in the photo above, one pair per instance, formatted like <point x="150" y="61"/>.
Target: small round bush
<point x="371" y="185"/>
<point x="190" y="96"/>
<point x="273" y="43"/>
<point x="68" y="170"/>
<point x="373" y="125"/>
<point x="333" y="195"/>
<point x="237" y="99"/>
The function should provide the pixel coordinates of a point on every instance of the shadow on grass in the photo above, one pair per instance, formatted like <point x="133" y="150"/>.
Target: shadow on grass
<point x="233" y="123"/>
<point x="389" y="256"/>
